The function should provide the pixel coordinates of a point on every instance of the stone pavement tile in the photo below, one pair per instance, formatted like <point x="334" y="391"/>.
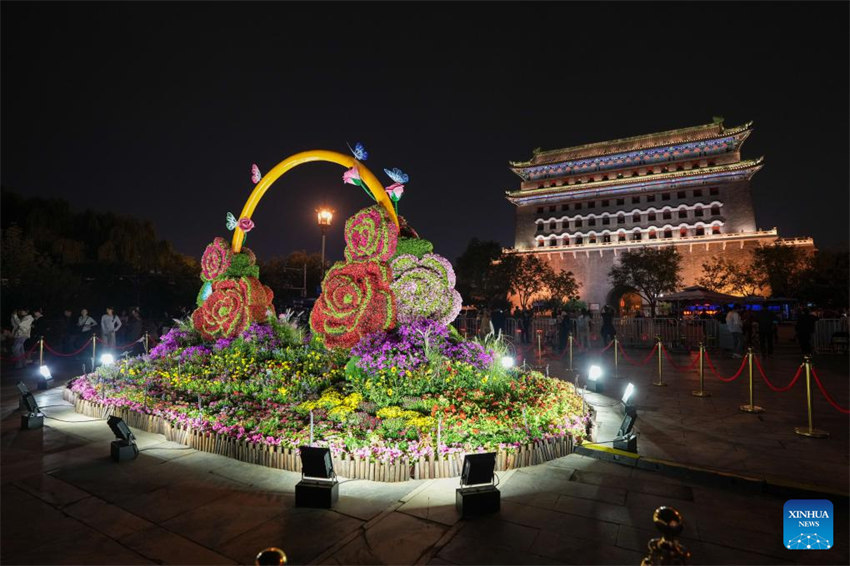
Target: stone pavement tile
<point x="640" y="482"/>
<point x="707" y="553"/>
<point x="223" y="519"/>
<point x="166" y="547"/>
<point x="544" y="489"/>
<point x="196" y="460"/>
<point x="569" y="550"/>
<point x="561" y="523"/>
<point x="106" y="518"/>
<point x="27" y="522"/>
<point x="245" y="473"/>
<point x="51" y="490"/>
<point x="357" y="551"/>
<point x="171" y="500"/>
<point x="466" y="550"/>
<point x="593" y="509"/>
<point x="636" y="539"/>
<point x="167" y="450"/>
<point x="439" y="561"/>
<point x="491" y="528"/>
<point x="434" y="502"/>
<point x="402" y="539"/>
<point x="714" y="531"/>
<point x="365" y="499"/>
<point x="303" y="534"/>
<point x="114" y="481"/>
<point x="588" y="464"/>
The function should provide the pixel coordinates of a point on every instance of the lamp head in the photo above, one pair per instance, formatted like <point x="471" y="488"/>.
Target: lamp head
<point x="316" y="462"/>
<point x="324" y="216"/>
<point x="594" y="373"/>
<point x="45" y="372"/>
<point x="107" y="359"/>
<point x="120" y="428"/>
<point x="627" y="394"/>
<point x="507" y="362"/>
<point x="478" y="468"/>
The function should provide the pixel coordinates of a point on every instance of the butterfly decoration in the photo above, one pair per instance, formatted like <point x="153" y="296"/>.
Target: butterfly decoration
<point x="397" y="175"/>
<point x="255" y="174"/>
<point x="359" y="152"/>
<point x="231" y="221"/>
<point x="206" y="291"/>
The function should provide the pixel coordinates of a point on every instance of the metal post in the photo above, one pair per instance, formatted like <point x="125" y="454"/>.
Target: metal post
<point x="93" y="350"/>
<point x="667" y="549"/>
<point x="811" y="432"/>
<point x="751" y="407"/>
<point x="539" y="344"/>
<point x="146" y="341"/>
<point x="323" y="253"/>
<point x="659" y="383"/>
<point x="616" y="358"/>
<point x="304" y="287"/>
<point x="571" y="350"/>
<point x="41" y="351"/>
<point x="702" y="392"/>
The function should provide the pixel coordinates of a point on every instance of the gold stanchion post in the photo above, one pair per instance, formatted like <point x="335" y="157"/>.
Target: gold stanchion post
<point x="93" y="350"/>
<point x="40" y="351"/>
<point x="751" y="407"/>
<point x="666" y="549"/>
<point x="659" y="383"/>
<point x="539" y="344"/>
<point x="616" y="358"/>
<point x="570" y="339"/>
<point x="702" y="392"/>
<point x="146" y="342"/>
<point x="810" y="431"/>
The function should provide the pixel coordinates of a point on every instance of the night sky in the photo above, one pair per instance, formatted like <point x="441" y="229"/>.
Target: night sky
<point x="158" y="109"/>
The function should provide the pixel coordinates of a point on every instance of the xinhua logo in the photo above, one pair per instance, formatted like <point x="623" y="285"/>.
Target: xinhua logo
<point x="807" y="524"/>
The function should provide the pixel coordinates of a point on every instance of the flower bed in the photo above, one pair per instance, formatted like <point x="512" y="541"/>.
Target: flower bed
<point x="407" y="402"/>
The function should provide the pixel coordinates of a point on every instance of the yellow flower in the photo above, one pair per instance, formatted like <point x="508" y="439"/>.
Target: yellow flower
<point x="390" y="391"/>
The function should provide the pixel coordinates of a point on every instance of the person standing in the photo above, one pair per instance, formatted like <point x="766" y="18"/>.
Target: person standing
<point x="68" y="329"/>
<point x="21" y="334"/>
<point x="736" y="329"/>
<point x="766" y="320"/>
<point x="109" y="325"/>
<point x="608" y="330"/>
<point x="805" y="327"/>
<point x="85" y="327"/>
<point x="526" y="326"/>
<point x="583" y="328"/>
<point x="499" y="321"/>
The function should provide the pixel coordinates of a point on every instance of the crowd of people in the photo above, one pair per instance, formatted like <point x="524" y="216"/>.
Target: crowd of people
<point x="70" y="332"/>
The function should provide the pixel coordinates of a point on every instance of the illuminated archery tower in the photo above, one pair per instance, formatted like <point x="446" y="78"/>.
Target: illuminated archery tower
<point x="580" y="207"/>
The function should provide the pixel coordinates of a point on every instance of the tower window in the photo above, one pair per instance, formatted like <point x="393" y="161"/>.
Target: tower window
<point x="715" y="210"/>
<point x="698" y="211"/>
<point x="591" y="204"/>
<point x="652" y="235"/>
<point x="635" y="200"/>
<point x="606" y="221"/>
<point x="578" y="222"/>
<point x="551" y="209"/>
<point x="565" y="207"/>
<point x="668" y="233"/>
<point x="650" y="216"/>
<point x="683" y="213"/>
<point x="606" y="238"/>
<point x="539" y="210"/>
<point x="539" y="226"/>
<point x="667" y="215"/>
<point x="650" y="198"/>
<point x="591" y="222"/>
<point x="579" y="240"/>
<point x="683" y="233"/>
<point x="636" y="217"/>
<point x="621" y="201"/>
<point x="553" y="242"/>
<point x="697" y="192"/>
<point x="700" y="231"/>
<point x="578" y="206"/>
<point x="621" y="219"/>
<point x="680" y="194"/>
<point x="606" y="202"/>
<point x="665" y="196"/>
<point x="714" y="191"/>
<point x="540" y="243"/>
<point x="621" y="237"/>
<point x="715" y="230"/>
<point x="636" y="236"/>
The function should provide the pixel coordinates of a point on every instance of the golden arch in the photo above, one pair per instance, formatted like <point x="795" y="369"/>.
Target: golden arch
<point x="372" y="182"/>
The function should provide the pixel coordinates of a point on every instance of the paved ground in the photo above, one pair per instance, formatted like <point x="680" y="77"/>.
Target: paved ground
<point x="65" y="502"/>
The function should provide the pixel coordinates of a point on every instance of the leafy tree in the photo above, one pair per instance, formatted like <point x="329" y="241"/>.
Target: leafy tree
<point x="528" y="277"/>
<point x="717" y="274"/>
<point x="483" y="274"/>
<point x="562" y="287"/>
<point x="649" y="271"/>
<point x="781" y="266"/>
<point x="827" y="280"/>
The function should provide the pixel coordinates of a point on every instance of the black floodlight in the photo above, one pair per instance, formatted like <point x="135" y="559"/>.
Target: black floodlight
<point x="478" y="494"/>
<point x="478" y="468"/>
<point x="30" y="403"/>
<point x="318" y="487"/>
<point x="626" y="439"/>
<point x="31" y="415"/>
<point x="316" y="463"/>
<point x="124" y="447"/>
<point x="22" y="388"/>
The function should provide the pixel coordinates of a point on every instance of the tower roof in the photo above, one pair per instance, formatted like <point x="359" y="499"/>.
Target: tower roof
<point x="644" y="141"/>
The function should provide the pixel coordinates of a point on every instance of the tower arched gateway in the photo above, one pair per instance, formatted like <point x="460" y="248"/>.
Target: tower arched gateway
<point x="579" y="208"/>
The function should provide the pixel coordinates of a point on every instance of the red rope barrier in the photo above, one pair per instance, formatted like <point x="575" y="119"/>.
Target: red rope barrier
<point x="55" y="353"/>
<point x="773" y="387"/>
<point x="675" y="365"/>
<point x="22" y="356"/>
<point x="826" y="395"/>
<point x="611" y="343"/>
<point x="129" y="344"/>
<point x="726" y="379"/>
<point x="631" y="361"/>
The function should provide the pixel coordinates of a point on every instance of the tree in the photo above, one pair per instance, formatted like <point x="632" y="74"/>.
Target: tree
<point x="562" y="287"/>
<point x="781" y="266"/>
<point x="827" y="280"/>
<point x="482" y="274"/>
<point x="723" y="275"/>
<point x="528" y="277"/>
<point x="649" y="271"/>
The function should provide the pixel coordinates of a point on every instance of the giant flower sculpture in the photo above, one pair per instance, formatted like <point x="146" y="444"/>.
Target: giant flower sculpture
<point x="232" y="306"/>
<point x="216" y="260"/>
<point x="424" y="288"/>
<point x="356" y="300"/>
<point x="370" y="235"/>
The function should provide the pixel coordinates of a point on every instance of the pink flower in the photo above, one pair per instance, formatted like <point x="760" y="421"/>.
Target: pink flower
<point x="395" y="191"/>
<point x="246" y="224"/>
<point x="351" y="176"/>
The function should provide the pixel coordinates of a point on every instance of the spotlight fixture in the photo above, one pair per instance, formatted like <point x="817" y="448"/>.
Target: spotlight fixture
<point x="626" y="439"/>
<point x="507" y="362"/>
<point x="318" y="486"/>
<point x="477" y="493"/>
<point x="594" y="381"/>
<point x="124" y="446"/>
<point x="47" y="378"/>
<point x="627" y="394"/>
<point x="107" y="359"/>
<point x="31" y="416"/>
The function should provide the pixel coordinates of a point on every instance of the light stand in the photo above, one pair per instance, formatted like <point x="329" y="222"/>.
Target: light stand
<point x="324" y="217"/>
<point x="124" y="447"/>
<point x="477" y="494"/>
<point x="318" y="487"/>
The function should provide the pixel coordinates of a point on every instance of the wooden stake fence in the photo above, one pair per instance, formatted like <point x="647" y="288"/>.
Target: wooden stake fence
<point x="346" y="465"/>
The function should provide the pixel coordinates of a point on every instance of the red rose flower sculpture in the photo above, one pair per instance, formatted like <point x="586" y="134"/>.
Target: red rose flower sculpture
<point x="370" y="234"/>
<point x="216" y="260"/>
<point x="231" y="307"/>
<point x="356" y="300"/>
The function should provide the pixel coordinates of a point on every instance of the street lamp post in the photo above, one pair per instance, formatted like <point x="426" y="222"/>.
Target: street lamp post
<point x="324" y="216"/>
